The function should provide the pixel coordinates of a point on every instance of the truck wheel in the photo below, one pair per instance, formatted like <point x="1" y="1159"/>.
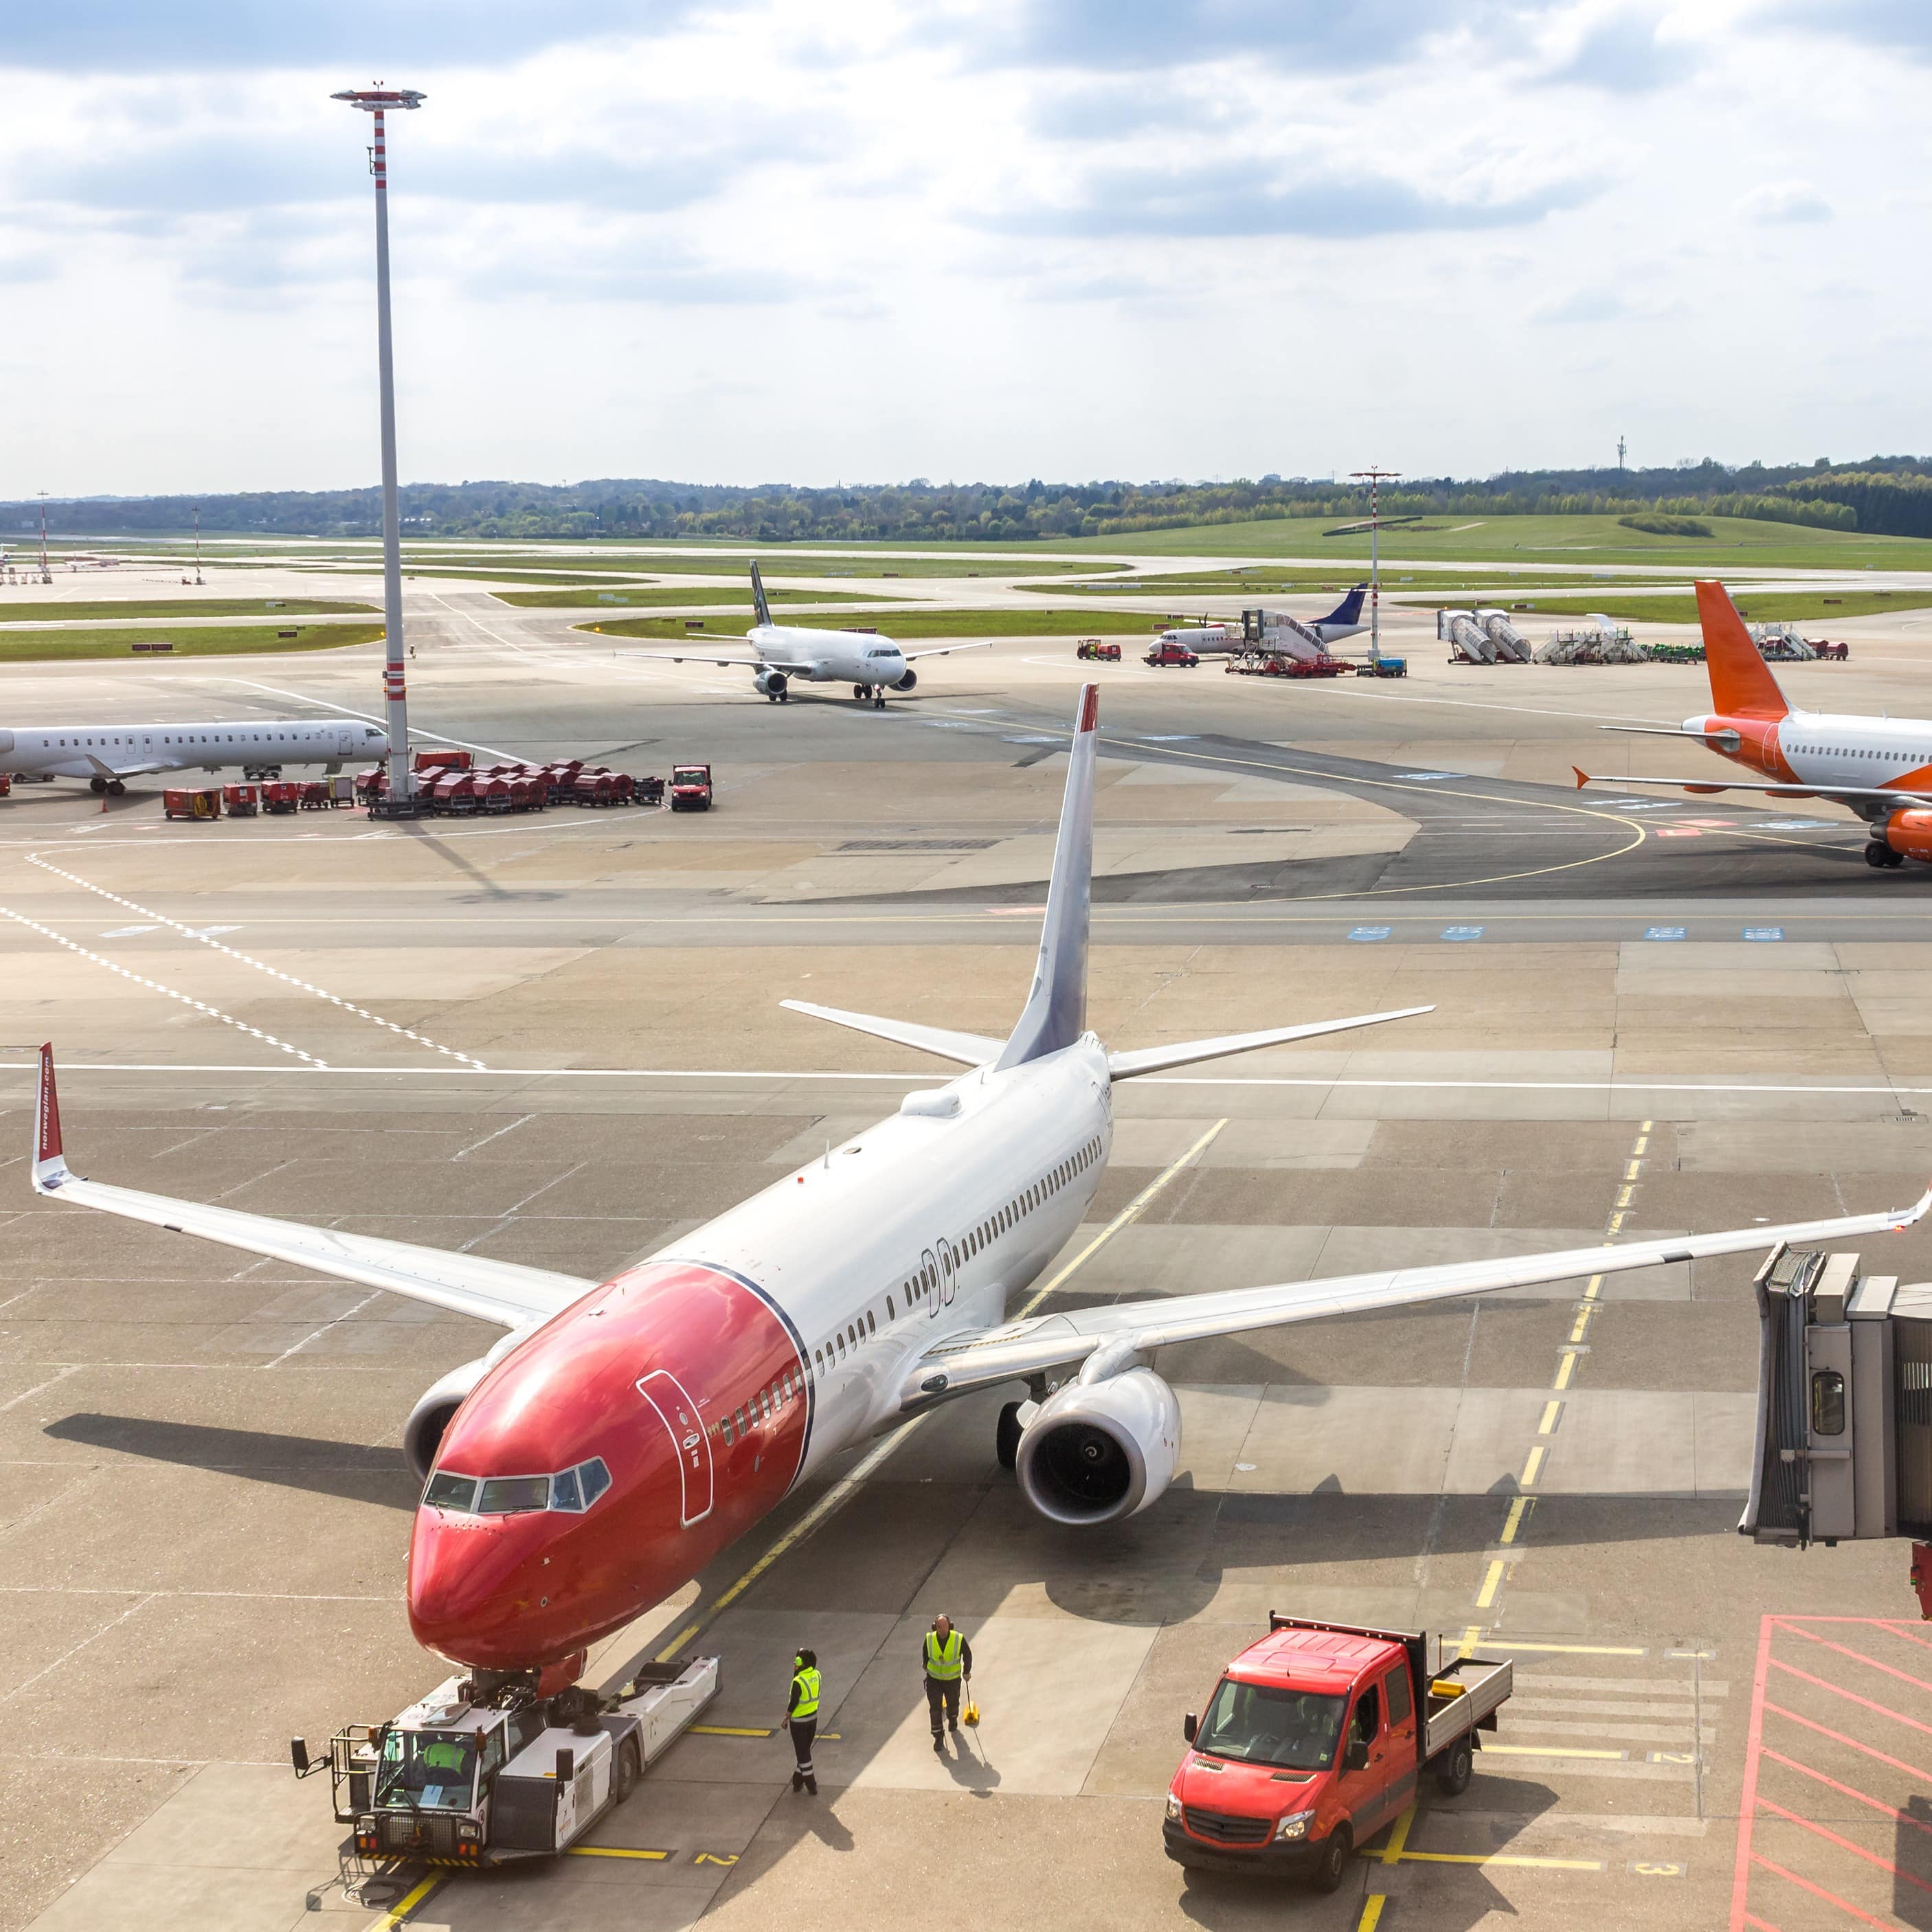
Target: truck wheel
<point x="1007" y="1436"/>
<point x="624" y="1778"/>
<point x="1333" y="1868"/>
<point x="1457" y="1767"/>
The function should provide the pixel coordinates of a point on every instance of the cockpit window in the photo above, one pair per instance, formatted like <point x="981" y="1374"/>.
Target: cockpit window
<point x="572" y="1491"/>
<point x="884" y="651"/>
<point x="451" y="1493"/>
<point x="504" y="1495"/>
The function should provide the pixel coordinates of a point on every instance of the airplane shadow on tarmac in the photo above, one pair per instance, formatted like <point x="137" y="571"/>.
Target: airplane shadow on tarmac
<point x="355" y="1471"/>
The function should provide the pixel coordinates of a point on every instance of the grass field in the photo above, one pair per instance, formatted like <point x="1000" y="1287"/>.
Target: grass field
<point x="30" y="646"/>
<point x="1737" y="542"/>
<point x="1761" y="606"/>
<point x="907" y="625"/>
<point x="686" y="595"/>
<point x="47" y="611"/>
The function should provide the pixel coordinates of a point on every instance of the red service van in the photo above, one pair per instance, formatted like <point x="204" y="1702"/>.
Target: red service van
<point x="1315" y="1738"/>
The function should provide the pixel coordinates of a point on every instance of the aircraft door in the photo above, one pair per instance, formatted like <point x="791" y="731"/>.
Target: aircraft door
<point x="679" y="1413"/>
<point x="949" y="1272"/>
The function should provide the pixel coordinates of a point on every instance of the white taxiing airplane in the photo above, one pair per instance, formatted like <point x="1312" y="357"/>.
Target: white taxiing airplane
<point x="872" y="665"/>
<point x="108" y="755"/>
<point x="623" y="1431"/>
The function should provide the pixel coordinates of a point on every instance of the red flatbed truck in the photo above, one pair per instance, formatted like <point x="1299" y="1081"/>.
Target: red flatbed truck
<point x="1316" y="1737"/>
<point x="690" y="787"/>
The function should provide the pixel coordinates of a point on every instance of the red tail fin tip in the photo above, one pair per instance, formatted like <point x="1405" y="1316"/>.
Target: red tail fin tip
<point x="1090" y="706"/>
<point x="47" y="1138"/>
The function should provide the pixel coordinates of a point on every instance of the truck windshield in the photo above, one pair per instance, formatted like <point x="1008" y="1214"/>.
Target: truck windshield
<point x="1263" y="1724"/>
<point x="427" y="1771"/>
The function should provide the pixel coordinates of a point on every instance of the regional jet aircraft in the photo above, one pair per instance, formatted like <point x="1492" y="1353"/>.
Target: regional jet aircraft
<point x="623" y="1431"/>
<point x="108" y="755"/>
<point x="1879" y="767"/>
<point x="872" y="665"/>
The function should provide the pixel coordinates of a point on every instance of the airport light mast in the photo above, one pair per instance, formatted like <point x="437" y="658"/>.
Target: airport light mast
<point x="1375" y="477"/>
<point x="400" y="802"/>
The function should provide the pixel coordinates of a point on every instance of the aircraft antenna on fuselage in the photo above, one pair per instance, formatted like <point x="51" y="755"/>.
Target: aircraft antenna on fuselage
<point x="758" y="604"/>
<point x="1056" y="1010"/>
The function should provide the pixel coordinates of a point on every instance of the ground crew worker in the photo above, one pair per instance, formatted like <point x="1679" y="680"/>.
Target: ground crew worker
<point x="802" y="1716"/>
<point x="947" y="1657"/>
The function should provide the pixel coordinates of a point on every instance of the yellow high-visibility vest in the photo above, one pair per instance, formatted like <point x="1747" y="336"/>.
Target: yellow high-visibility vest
<point x="805" y="1683"/>
<point x="942" y="1660"/>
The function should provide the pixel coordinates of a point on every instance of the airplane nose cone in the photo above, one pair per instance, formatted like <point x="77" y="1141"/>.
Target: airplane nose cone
<point x="489" y="1592"/>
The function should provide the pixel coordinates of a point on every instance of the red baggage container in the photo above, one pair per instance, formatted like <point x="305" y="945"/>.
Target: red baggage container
<point x="195" y="801"/>
<point x="442" y="761"/>
<point x="241" y="801"/>
<point x="281" y="795"/>
<point x="314" y="795"/>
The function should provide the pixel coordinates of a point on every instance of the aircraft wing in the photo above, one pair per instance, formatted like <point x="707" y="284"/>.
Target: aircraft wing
<point x="1127" y="1330"/>
<point x="1772" y="788"/>
<point x="711" y="657"/>
<point x="942" y="650"/>
<point x="142" y="770"/>
<point x="504" y="1292"/>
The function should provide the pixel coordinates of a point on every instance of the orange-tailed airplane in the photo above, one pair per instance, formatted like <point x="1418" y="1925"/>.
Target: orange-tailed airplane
<point x="1880" y="767"/>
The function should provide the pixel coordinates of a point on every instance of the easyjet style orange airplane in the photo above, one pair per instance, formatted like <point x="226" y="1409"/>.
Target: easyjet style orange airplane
<point x="1880" y="767"/>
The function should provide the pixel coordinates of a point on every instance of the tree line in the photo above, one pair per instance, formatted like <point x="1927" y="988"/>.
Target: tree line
<point x="1890" y="496"/>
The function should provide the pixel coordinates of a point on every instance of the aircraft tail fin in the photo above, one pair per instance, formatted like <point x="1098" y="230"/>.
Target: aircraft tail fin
<point x="1742" y="682"/>
<point x="758" y="604"/>
<point x="49" y="1166"/>
<point x="1055" y="1014"/>
<point x="1349" y="610"/>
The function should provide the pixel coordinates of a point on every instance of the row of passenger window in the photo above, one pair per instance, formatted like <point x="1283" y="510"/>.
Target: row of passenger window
<point x="763" y="1407"/>
<point x="571" y="1490"/>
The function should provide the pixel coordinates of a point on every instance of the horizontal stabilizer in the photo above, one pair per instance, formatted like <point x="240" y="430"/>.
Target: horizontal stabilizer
<point x="1184" y="1053"/>
<point x="969" y="1049"/>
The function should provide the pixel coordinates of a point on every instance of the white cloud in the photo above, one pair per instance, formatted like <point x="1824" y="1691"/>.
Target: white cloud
<point x="972" y="238"/>
<point x="1778" y="201"/>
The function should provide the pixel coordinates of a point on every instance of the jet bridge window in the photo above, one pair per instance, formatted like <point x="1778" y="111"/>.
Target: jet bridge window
<point x="1827" y="1402"/>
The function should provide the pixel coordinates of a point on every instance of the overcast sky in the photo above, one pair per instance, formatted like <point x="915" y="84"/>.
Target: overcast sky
<point x="976" y="241"/>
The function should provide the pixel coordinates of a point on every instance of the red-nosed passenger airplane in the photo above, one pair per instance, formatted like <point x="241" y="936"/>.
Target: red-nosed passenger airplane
<point x="622" y="1433"/>
<point x="1880" y="767"/>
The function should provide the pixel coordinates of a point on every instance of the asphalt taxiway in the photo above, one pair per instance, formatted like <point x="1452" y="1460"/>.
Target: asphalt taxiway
<point x="556" y="1040"/>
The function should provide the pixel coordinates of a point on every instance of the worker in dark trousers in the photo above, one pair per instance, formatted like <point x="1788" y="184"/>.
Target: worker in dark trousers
<point x="947" y="1658"/>
<point x="802" y="1718"/>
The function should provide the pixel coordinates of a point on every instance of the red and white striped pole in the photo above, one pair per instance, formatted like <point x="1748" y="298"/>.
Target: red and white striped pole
<point x="1375" y="477"/>
<point x="375" y="101"/>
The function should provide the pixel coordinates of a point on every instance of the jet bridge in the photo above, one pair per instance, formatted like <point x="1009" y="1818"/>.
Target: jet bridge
<point x="1843" y="1439"/>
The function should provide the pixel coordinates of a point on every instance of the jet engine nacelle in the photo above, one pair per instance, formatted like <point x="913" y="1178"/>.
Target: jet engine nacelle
<point x="906" y="682"/>
<point x="1909" y="834"/>
<point x="1097" y="1452"/>
<point x="769" y="683"/>
<point x="423" y="1433"/>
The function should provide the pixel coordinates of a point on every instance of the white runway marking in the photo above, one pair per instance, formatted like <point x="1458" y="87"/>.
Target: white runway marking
<point x="168" y="992"/>
<point x="202" y="935"/>
<point x="925" y="1076"/>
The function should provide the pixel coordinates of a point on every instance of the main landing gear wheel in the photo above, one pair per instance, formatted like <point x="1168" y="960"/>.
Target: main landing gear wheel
<point x="1328" y="1875"/>
<point x="98" y="786"/>
<point x="1882" y="857"/>
<point x="117" y="788"/>
<point x="862" y="691"/>
<point x="1007" y="1436"/>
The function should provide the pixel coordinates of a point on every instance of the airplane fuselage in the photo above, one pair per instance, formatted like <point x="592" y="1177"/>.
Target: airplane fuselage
<point x="833" y="657"/>
<point x="713" y="1377"/>
<point x="94" y="750"/>
<point x="1825" y="748"/>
